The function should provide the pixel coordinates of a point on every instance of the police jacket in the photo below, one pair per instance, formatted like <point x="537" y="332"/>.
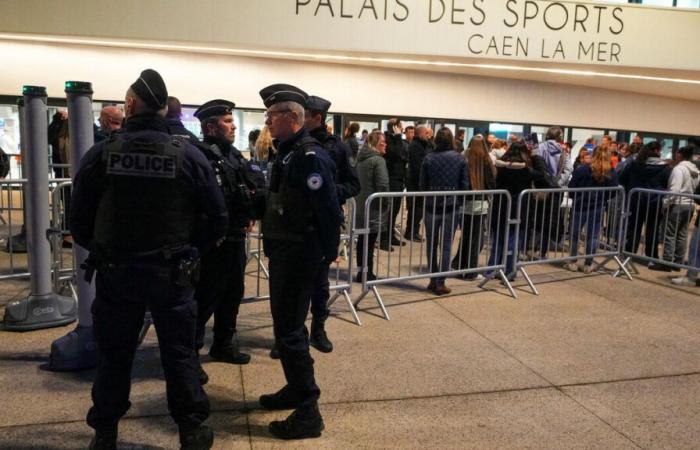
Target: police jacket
<point x="176" y="128"/>
<point x="396" y="158"/>
<point x="142" y="191"/>
<point x="241" y="182"/>
<point x="347" y="183"/>
<point x="302" y="213"/>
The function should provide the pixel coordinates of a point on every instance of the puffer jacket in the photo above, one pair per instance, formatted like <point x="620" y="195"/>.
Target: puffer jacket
<point x="373" y="175"/>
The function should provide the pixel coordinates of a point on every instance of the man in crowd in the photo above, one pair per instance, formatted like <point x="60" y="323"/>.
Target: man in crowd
<point x="111" y="119"/>
<point x="300" y="232"/>
<point x="417" y="151"/>
<point x="410" y="133"/>
<point x="145" y="204"/>
<point x="396" y="157"/>
<point x="174" y="119"/>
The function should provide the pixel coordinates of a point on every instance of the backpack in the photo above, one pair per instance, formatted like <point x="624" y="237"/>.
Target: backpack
<point x="4" y="164"/>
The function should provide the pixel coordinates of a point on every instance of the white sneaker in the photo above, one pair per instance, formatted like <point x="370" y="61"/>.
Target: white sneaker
<point x="571" y="266"/>
<point x="682" y="281"/>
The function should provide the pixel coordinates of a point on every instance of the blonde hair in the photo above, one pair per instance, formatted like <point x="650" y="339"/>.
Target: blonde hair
<point x="374" y="138"/>
<point x="263" y="144"/>
<point x="600" y="164"/>
<point x="477" y="159"/>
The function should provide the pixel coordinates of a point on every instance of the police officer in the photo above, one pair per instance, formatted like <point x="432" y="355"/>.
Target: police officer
<point x="347" y="185"/>
<point x="144" y="204"/>
<point x="300" y="232"/>
<point x="220" y="288"/>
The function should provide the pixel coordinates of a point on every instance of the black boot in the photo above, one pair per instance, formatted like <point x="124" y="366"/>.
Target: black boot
<point x="200" y="438"/>
<point x="318" y="339"/>
<point x="227" y="351"/>
<point x="104" y="439"/>
<point x="202" y="375"/>
<point x="304" y="422"/>
<point x="282" y="399"/>
<point x="274" y="351"/>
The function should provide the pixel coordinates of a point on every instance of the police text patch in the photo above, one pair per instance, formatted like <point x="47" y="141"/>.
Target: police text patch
<point x="314" y="182"/>
<point x="142" y="165"/>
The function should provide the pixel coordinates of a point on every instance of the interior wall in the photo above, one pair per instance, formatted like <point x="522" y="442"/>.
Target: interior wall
<point x="196" y="78"/>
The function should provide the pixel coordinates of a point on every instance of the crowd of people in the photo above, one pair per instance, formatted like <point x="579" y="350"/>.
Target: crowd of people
<point x="415" y="159"/>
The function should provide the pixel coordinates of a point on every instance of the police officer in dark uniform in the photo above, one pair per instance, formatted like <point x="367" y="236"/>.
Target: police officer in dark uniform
<point x="347" y="185"/>
<point x="145" y="204"/>
<point x="174" y="119"/>
<point x="220" y="288"/>
<point x="300" y="232"/>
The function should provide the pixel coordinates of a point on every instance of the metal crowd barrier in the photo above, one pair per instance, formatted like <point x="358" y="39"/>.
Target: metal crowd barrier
<point x="63" y="262"/>
<point x="340" y="273"/>
<point x="477" y="222"/>
<point x="567" y="224"/>
<point x="661" y="219"/>
<point x="13" y="260"/>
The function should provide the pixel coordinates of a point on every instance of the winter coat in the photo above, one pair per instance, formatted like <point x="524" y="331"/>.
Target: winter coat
<point x="416" y="153"/>
<point x="373" y="175"/>
<point x="651" y="174"/>
<point x="443" y="170"/>
<point x="396" y="158"/>
<point x="551" y="152"/>
<point x="583" y="178"/>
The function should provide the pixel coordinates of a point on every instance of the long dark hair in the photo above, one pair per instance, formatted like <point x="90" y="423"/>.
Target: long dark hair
<point x="517" y="152"/>
<point x="478" y="159"/>
<point x="444" y="139"/>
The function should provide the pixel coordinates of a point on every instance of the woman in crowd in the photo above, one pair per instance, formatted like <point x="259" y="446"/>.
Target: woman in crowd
<point x="514" y="173"/>
<point x="350" y="138"/>
<point x="588" y="207"/>
<point x="264" y="149"/>
<point x="646" y="171"/>
<point x="482" y="176"/>
<point x="374" y="177"/>
<point x="442" y="170"/>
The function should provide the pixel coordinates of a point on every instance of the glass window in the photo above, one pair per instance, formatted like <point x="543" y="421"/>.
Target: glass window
<point x="9" y="129"/>
<point x="191" y="122"/>
<point x="581" y="135"/>
<point x="246" y="121"/>
<point x="658" y="2"/>
<point x="504" y="130"/>
<point x="688" y="3"/>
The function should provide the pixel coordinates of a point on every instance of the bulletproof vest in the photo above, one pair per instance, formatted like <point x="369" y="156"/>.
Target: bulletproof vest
<point x="235" y="184"/>
<point x="288" y="214"/>
<point x="145" y="203"/>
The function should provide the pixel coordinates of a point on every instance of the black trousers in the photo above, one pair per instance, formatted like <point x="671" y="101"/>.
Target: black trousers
<point x="471" y="243"/>
<point x="123" y="294"/>
<point x="220" y="290"/>
<point x="291" y="285"/>
<point x="644" y="213"/>
<point x="321" y="292"/>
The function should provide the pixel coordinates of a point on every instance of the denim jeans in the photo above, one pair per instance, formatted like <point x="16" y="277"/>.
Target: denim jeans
<point x="592" y="219"/>
<point x="694" y="254"/>
<point x="439" y="230"/>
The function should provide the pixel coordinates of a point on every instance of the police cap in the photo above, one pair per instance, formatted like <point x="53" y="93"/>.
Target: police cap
<point x="278" y="93"/>
<point x="318" y="104"/>
<point x="214" y="108"/>
<point x="150" y="88"/>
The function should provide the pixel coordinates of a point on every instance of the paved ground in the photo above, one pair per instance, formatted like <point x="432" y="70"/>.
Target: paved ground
<point x="590" y="363"/>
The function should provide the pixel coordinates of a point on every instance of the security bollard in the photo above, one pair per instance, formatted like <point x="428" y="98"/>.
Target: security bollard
<point x="78" y="350"/>
<point x="43" y="308"/>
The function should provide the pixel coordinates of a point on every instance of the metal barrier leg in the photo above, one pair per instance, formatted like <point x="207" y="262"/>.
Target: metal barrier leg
<point x="352" y="307"/>
<point x="360" y="298"/>
<point x="529" y="281"/>
<point x="380" y="302"/>
<point x="507" y="283"/>
<point x="147" y="322"/>
<point x="622" y="268"/>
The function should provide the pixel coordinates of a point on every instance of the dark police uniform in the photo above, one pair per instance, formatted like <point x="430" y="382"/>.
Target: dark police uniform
<point x="144" y="204"/>
<point x="221" y="284"/>
<point x="300" y="230"/>
<point x="347" y="185"/>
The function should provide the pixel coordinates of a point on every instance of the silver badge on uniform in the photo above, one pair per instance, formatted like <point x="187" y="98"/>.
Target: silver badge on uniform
<point x="314" y="182"/>
<point x="141" y="165"/>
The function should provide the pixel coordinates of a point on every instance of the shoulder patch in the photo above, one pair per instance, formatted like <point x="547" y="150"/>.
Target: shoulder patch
<point x="310" y="152"/>
<point x="314" y="181"/>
